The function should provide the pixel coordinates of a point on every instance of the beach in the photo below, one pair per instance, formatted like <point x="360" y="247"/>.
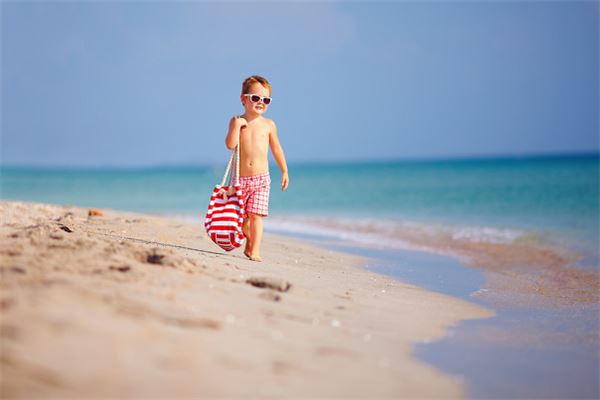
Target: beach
<point x="133" y="305"/>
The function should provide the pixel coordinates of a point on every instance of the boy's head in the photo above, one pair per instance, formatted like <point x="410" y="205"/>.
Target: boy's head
<point x="256" y="94"/>
<point x="255" y="79"/>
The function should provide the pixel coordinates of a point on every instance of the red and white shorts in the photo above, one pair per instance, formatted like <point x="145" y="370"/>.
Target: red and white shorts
<point x="255" y="191"/>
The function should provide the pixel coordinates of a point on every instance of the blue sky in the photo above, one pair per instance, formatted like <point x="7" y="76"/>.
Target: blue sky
<point x="113" y="83"/>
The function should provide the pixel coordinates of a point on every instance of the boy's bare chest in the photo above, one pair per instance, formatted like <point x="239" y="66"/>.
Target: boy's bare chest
<point x="255" y="135"/>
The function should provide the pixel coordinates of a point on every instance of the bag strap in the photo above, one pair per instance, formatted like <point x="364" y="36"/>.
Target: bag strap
<point x="227" y="169"/>
<point x="236" y="180"/>
<point x="234" y="158"/>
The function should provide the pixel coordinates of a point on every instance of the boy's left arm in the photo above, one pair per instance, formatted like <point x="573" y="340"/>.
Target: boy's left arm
<point x="278" y="155"/>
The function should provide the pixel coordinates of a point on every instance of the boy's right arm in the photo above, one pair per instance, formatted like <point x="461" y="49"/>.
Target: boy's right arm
<point x="235" y="125"/>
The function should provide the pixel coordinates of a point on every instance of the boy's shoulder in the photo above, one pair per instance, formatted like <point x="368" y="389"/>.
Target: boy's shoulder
<point x="269" y="122"/>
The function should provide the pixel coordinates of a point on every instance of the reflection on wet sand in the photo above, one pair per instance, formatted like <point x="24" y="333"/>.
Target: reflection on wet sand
<point x="543" y="340"/>
<point x="521" y="268"/>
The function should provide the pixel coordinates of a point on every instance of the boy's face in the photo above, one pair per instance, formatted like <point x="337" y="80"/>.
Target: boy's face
<point x="258" y="107"/>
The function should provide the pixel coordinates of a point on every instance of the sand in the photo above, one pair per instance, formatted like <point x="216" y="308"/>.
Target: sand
<point x="125" y="305"/>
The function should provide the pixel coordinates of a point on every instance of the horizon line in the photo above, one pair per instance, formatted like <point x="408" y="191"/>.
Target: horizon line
<point x="307" y="162"/>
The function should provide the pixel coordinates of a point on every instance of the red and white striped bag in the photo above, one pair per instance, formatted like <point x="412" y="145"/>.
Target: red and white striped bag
<point x="225" y="215"/>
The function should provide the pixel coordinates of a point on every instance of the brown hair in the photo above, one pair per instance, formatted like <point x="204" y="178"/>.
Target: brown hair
<point x="255" y="79"/>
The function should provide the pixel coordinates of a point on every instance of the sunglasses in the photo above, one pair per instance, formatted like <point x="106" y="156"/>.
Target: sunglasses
<point x="256" y="98"/>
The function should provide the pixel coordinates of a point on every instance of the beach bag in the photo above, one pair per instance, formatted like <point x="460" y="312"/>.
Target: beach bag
<point x="225" y="215"/>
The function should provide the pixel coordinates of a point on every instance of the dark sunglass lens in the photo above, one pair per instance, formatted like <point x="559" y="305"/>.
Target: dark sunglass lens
<point x="267" y="100"/>
<point x="255" y="98"/>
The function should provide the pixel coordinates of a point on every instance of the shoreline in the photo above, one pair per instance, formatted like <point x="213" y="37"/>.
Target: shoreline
<point x="519" y="271"/>
<point x="188" y="320"/>
<point x="560" y="342"/>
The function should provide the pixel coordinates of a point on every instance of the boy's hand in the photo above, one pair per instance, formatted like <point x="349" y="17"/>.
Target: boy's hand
<point x="285" y="180"/>
<point x="240" y="121"/>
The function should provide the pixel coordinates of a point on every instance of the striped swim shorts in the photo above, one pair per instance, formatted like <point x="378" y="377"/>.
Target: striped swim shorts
<point x="255" y="191"/>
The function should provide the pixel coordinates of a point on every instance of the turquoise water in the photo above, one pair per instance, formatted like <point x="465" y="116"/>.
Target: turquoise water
<point x="488" y="199"/>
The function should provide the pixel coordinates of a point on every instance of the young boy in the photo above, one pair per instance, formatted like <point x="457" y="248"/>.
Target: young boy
<point x="256" y="134"/>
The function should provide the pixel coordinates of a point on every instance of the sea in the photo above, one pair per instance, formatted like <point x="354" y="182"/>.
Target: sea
<point x="464" y="227"/>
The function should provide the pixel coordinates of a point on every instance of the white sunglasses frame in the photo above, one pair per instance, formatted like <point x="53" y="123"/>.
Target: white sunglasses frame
<point x="260" y="98"/>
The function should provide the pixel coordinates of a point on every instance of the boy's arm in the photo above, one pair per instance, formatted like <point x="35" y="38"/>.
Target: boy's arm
<point x="235" y="125"/>
<point x="278" y="155"/>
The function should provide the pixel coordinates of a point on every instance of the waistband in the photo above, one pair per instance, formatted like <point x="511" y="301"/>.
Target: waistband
<point x="254" y="177"/>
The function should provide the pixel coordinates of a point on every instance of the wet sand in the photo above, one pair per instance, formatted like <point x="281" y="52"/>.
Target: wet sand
<point x="520" y="273"/>
<point x="527" y="350"/>
<point x="128" y="305"/>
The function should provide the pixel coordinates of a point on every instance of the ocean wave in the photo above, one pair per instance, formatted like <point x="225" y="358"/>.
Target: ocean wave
<point x="329" y="230"/>
<point x="487" y="234"/>
<point x="489" y="247"/>
<point x="388" y="232"/>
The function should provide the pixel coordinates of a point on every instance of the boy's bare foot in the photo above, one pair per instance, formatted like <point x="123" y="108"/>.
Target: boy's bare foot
<point x="254" y="257"/>
<point x="247" y="249"/>
<point x="251" y="257"/>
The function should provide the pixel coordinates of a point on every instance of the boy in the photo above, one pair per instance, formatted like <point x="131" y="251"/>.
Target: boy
<point x="256" y="134"/>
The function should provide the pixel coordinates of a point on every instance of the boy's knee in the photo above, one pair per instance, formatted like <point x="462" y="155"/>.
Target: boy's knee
<point x="254" y="217"/>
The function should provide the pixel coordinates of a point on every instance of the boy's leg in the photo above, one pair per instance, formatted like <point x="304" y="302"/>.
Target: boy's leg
<point x="247" y="229"/>
<point x="256" y="229"/>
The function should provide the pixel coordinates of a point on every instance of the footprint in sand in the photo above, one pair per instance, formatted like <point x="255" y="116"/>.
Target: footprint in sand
<point x="12" y="252"/>
<point x="9" y="332"/>
<point x="16" y="270"/>
<point x="278" y="284"/>
<point x="155" y="259"/>
<point x="65" y="228"/>
<point x="270" y="295"/>
<point x="123" y="268"/>
<point x="56" y="236"/>
<point x="7" y="303"/>
<point x="66" y="215"/>
<point x="152" y="257"/>
<point x="335" y="351"/>
<point x="138" y="310"/>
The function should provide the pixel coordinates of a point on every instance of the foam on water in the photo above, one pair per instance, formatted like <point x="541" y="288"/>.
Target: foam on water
<point x="391" y="234"/>
<point x="486" y="234"/>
